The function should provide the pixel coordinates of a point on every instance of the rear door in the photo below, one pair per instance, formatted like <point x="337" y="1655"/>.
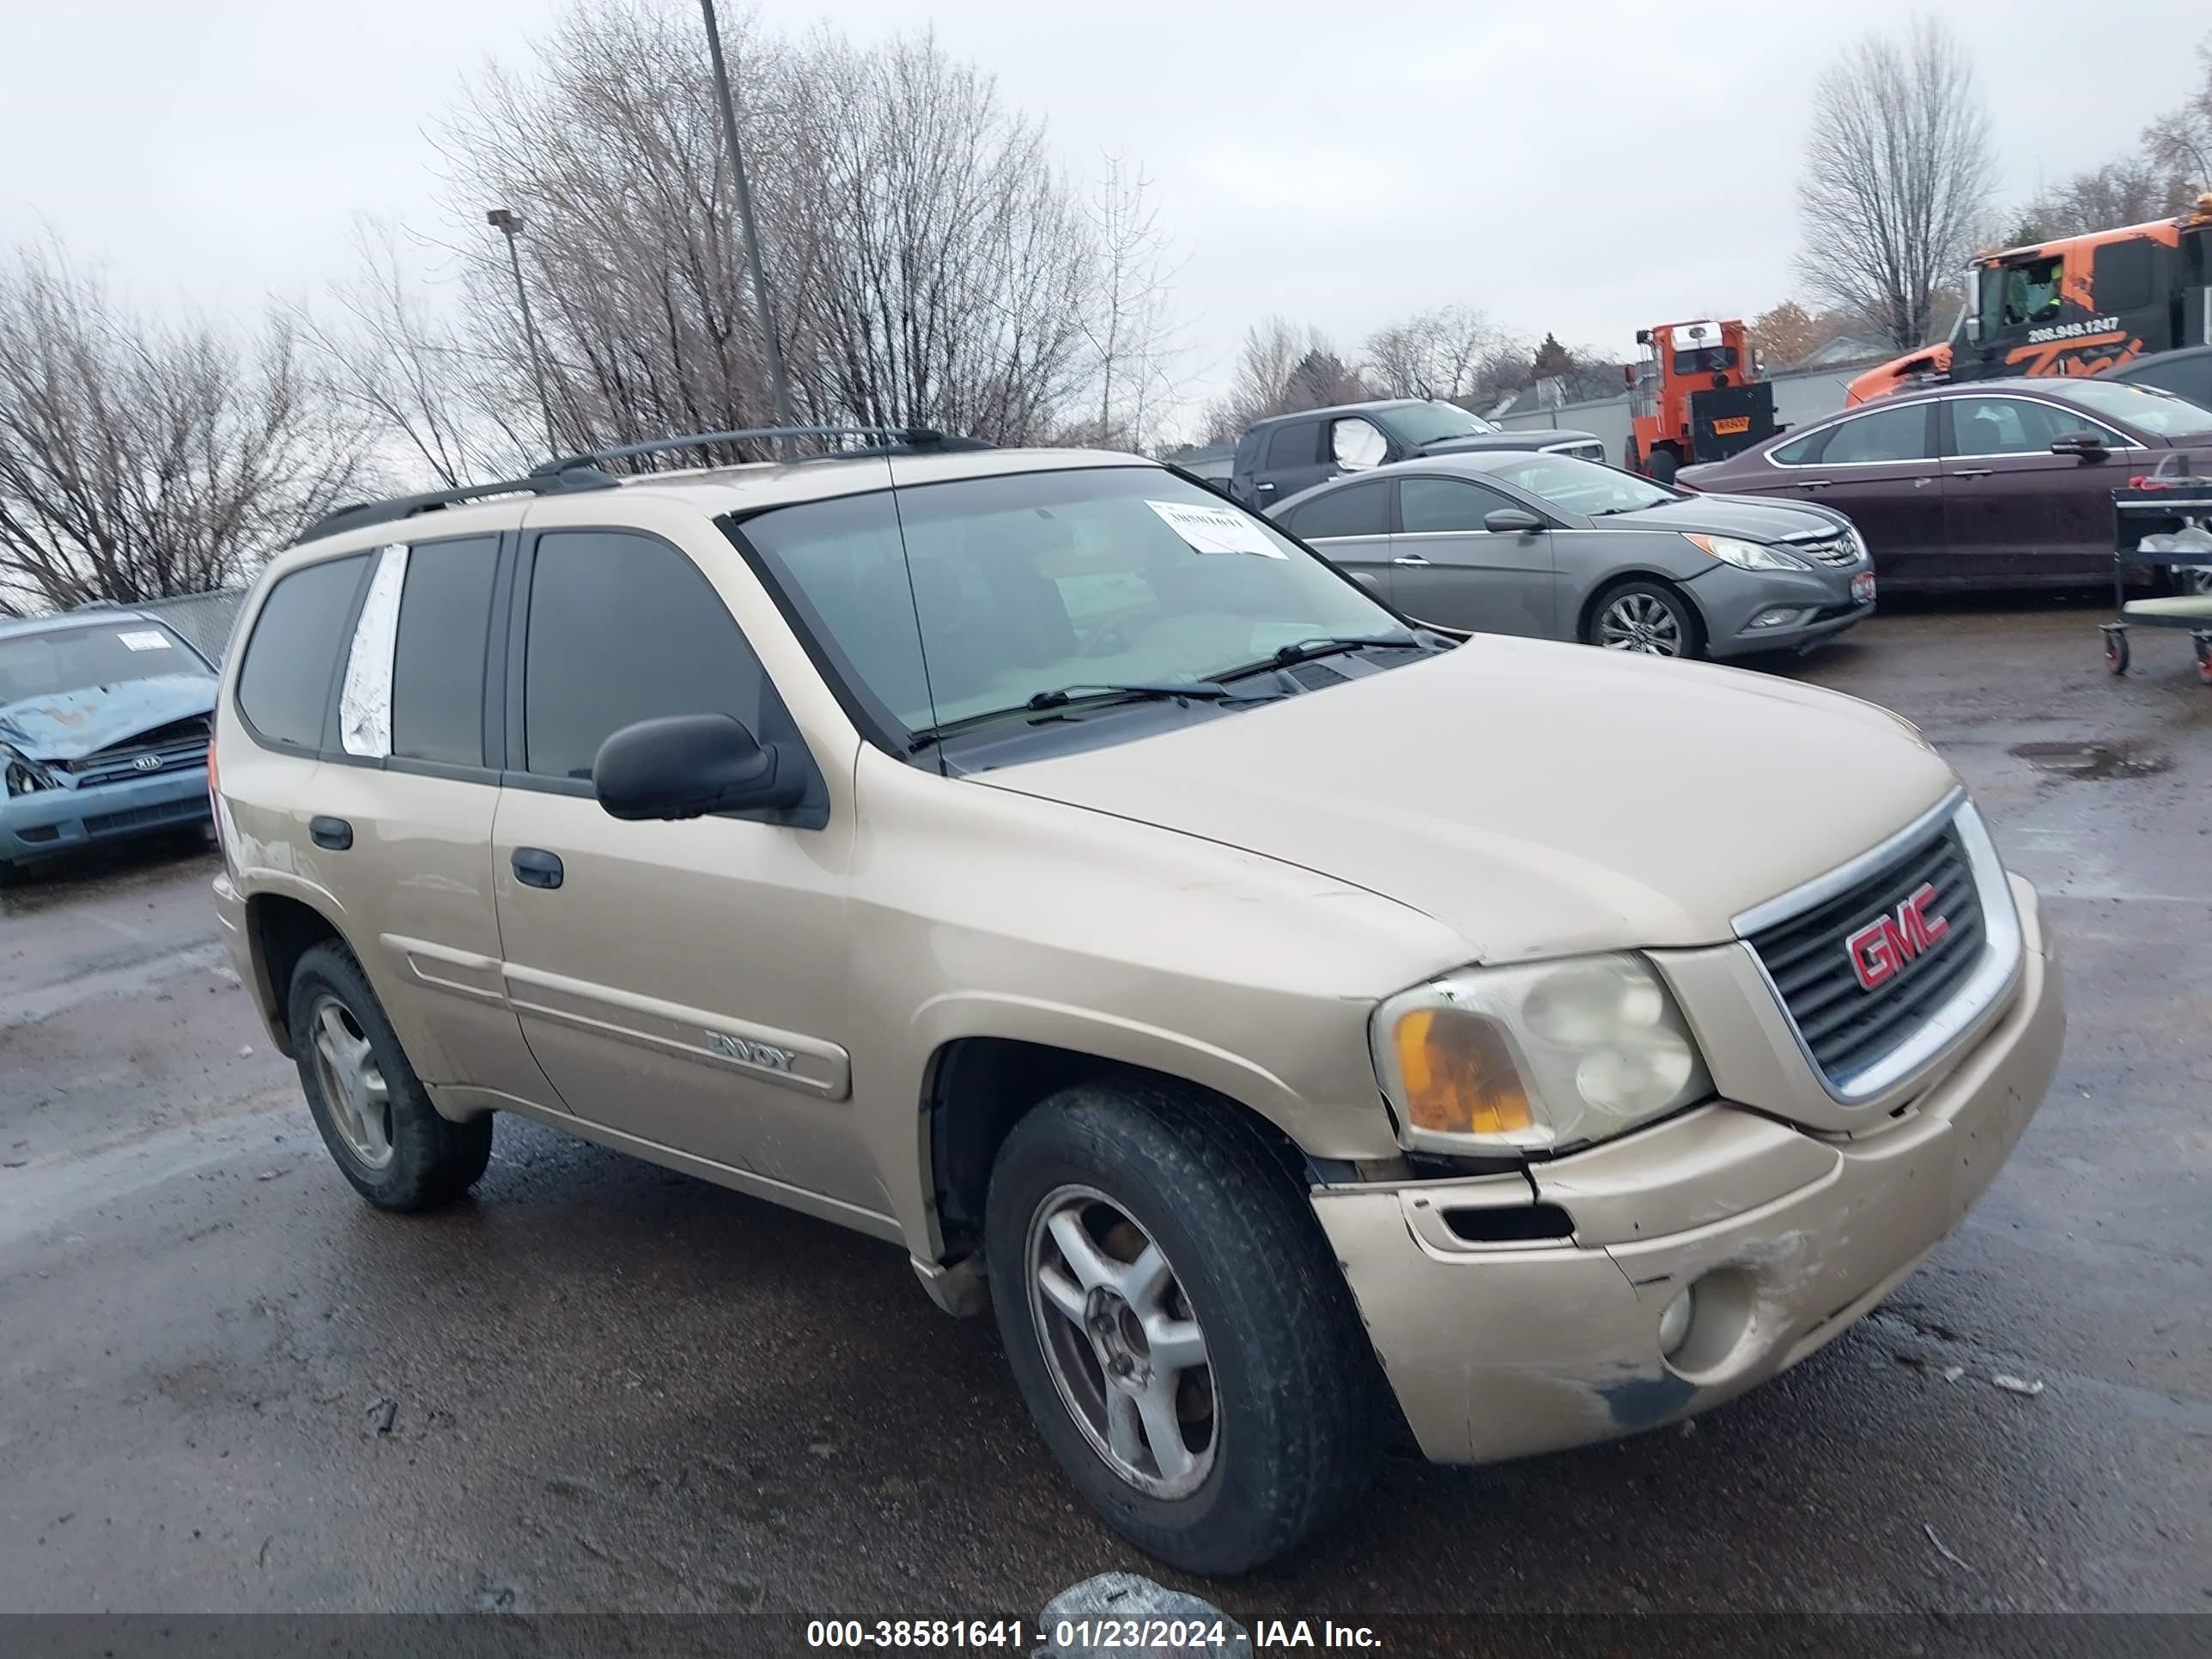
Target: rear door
<point x="683" y="983"/>
<point x="400" y="817"/>
<point x="1446" y="568"/>
<point x="1882" y="470"/>
<point x="1294" y="459"/>
<point x="1350" y="526"/>
<point x="2013" y="510"/>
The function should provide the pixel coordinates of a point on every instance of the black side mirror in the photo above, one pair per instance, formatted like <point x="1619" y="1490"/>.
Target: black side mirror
<point x="2082" y="446"/>
<point x="684" y="766"/>
<point x="1511" y="521"/>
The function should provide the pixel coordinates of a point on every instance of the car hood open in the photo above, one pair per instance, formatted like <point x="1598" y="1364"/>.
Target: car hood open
<point x="70" y="725"/>
<point x="1539" y="799"/>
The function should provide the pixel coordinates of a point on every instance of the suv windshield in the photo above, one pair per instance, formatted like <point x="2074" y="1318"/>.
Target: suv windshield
<point x="963" y="598"/>
<point x="46" y="664"/>
<point x="1582" y="487"/>
<point x="1424" y="423"/>
<point x="2146" y="409"/>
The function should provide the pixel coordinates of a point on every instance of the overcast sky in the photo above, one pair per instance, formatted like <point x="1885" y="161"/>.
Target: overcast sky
<point x="1581" y="166"/>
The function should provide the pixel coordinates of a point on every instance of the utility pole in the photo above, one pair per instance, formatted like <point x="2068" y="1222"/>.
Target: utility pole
<point x="508" y="223"/>
<point x="771" y="346"/>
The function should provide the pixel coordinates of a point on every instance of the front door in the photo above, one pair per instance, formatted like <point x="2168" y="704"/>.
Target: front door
<point x="1880" y="469"/>
<point x="2016" y="511"/>
<point x="683" y="983"/>
<point x="1446" y="568"/>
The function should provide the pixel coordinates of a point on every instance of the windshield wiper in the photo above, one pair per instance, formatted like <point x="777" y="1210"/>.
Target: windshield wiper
<point x="1099" y="696"/>
<point x="1320" y="645"/>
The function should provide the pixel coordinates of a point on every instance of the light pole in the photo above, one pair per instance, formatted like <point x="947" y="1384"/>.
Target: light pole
<point x="772" y="348"/>
<point x="508" y="223"/>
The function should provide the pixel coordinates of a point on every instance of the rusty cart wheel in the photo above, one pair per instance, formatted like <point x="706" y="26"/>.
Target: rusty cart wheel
<point x="2116" y="650"/>
<point x="2204" y="644"/>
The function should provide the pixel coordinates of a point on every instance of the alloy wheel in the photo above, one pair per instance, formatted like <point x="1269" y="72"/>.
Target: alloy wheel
<point x="1641" y="622"/>
<point x="353" y="1089"/>
<point x="1121" y="1342"/>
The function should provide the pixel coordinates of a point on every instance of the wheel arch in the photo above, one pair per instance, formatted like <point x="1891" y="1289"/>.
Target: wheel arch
<point x="281" y="927"/>
<point x="1643" y="571"/>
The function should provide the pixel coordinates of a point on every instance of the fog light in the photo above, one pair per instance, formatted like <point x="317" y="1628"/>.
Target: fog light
<point x="1675" y="1324"/>
<point x="1775" y="617"/>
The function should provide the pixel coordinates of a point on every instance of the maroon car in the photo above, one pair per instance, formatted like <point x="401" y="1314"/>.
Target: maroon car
<point x="1985" y="483"/>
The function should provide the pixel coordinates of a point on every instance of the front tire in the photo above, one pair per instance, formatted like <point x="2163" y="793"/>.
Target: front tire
<point x="371" y="1109"/>
<point x="1646" y="615"/>
<point x="1178" y="1325"/>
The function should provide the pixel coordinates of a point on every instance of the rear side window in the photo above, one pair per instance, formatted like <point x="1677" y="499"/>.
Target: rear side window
<point x="1360" y="509"/>
<point x="438" y="662"/>
<point x="1297" y="444"/>
<point x="623" y="627"/>
<point x="284" y="684"/>
<point x="1803" y="451"/>
<point x="1887" y="434"/>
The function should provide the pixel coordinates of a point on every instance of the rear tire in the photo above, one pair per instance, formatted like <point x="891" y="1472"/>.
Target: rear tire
<point x="1660" y="466"/>
<point x="371" y="1109"/>
<point x="1241" y="1348"/>
<point x="1647" y="615"/>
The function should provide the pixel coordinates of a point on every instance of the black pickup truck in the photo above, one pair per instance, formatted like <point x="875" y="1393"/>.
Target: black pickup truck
<point x="1285" y="453"/>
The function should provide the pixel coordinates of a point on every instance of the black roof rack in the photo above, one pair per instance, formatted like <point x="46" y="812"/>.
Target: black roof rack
<point x="565" y="474"/>
<point x="890" y="441"/>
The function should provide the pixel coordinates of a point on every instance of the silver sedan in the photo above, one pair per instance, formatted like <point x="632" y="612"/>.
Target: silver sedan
<point x="1555" y="548"/>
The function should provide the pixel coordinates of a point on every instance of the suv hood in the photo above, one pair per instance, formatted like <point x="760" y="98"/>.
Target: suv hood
<point x="1746" y="516"/>
<point x="70" y="725"/>
<point x="1538" y="799"/>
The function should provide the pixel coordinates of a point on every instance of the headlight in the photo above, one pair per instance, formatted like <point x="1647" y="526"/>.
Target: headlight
<point x="1535" y="1057"/>
<point x="23" y="778"/>
<point x="1746" y="555"/>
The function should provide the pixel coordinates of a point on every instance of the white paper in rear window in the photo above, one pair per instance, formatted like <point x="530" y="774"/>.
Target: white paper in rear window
<point x="144" y="639"/>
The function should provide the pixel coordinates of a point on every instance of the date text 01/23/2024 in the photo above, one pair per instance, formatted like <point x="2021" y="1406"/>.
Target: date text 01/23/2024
<point x="1191" y="1636"/>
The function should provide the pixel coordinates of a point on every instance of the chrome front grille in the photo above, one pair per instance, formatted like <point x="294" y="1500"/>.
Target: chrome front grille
<point x="1838" y="549"/>
<point x="165" y="749"/>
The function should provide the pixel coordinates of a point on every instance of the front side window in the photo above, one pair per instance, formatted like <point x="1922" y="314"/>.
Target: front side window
<point x="284" y="684"/>
<point x="2015" y="296"/>
<point x="1433" y="506"/>
<point x="1887" y="434"/>
<point x="1027" y="583"/>
<point x="1582" y="487"/>
<point x="52" y="662"/>
<point x="2012" y="426"/>
<point x="1297" y="444"/>
<point x="1361" y="509"/>
<point x="623" y="627"/>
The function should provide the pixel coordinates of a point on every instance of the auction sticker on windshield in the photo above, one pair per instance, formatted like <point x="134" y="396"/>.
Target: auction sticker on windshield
<point x="1216" y="529"/>
<point x="144" y="639"/>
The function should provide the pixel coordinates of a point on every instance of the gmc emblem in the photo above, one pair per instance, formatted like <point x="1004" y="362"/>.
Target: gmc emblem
<point x="1880" y="950"/>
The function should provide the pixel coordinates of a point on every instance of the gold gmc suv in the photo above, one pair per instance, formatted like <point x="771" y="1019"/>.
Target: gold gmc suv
<point x="1297" y="1025"/>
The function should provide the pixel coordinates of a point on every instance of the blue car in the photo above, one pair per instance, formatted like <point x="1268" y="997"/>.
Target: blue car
<point x="104" y="722"/>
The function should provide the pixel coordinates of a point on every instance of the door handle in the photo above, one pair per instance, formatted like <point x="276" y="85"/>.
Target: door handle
<point x="1264" y="488"/>
<point x="335" y="834"/>
<point x="535" y="868"/>
<point x="1413" y="559"/>
<point x="1974" y="472"/>
<point x="1812" y="484"/>
<point x="1922" y="483"/>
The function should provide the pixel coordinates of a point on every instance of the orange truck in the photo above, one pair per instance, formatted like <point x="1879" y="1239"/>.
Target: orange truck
<point x="2071" y="307"/>
<point x="1696" y="394"/>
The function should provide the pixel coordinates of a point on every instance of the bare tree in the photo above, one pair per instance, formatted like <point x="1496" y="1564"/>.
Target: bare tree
<point x="2127" y="191"/>
<point x="2180" y="141"/>
<point x="1452" y="353"/>
<point x="1131" y="332"/>
<point x="1281" y="367"/>
<point x="139" y="460"/>
<point x="1898" y="177"/>
<point x="428" y="394"/>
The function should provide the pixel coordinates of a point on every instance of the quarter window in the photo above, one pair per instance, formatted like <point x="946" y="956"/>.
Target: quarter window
<point x="1431" y="506"/>
<point x="284" y="684"/>
<point x="1360" y="509"/>
<point x="623" y="627"/>
<point x="438" y="660"/>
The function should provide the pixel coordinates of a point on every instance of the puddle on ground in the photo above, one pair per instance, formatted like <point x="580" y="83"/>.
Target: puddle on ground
<point x="2092" y="762"/>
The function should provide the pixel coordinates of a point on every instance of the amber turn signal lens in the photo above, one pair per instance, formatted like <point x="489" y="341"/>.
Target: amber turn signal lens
<point x="1459" y="1075"/>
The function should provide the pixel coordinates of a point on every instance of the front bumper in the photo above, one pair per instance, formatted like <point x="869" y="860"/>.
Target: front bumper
<point x="1728" y="599"/>
<point x="55" y="820"/>
<point x="1500" y="1351"/>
